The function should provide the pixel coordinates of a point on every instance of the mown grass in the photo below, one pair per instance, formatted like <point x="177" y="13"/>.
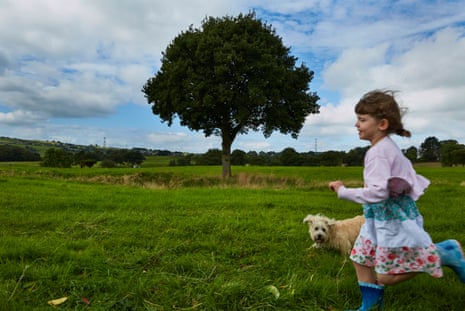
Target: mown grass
<point x="164" y="238"/>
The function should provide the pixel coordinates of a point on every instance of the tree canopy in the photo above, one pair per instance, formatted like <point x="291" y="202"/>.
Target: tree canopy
<point x="231" y="76"/>
<point x="56" y="157"/>
<point x="15" y="153"/>
<point x="430" y="150"/>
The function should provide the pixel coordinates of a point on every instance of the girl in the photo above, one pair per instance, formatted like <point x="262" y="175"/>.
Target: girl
<point x="392" y="241"/>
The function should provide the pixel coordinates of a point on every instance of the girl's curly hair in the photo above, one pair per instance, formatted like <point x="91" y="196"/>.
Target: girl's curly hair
<point x="381" y="104"/>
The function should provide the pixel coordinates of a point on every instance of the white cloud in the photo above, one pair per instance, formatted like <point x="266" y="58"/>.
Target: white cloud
<point x="111" y="46"/>
<point x="20" y="118"/>
<point x="428" y="75"/>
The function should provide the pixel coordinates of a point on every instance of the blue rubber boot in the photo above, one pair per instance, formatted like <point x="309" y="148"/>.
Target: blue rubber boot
<point x="372" y="297"/>
<point x="452" y="256"/>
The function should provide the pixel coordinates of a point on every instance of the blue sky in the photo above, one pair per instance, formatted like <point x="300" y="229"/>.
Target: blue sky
<point x="73" y="70"/>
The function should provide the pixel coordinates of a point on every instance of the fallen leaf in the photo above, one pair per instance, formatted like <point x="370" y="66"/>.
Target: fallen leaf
<point x="85" y="300"/>
<point x="273" y="290"/>
<point x="57" y="302"/>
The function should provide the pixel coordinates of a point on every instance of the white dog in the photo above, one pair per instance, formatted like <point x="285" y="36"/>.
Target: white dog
<point x="331" y="233"/>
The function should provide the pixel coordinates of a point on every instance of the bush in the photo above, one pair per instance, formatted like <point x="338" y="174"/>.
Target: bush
<point x="108" y="163"/>
<point x="14" y="153"/>
<point x="57" y="158"/>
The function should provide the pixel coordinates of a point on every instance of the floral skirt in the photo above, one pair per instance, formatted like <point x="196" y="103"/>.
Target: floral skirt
<point x="393" y="240"/>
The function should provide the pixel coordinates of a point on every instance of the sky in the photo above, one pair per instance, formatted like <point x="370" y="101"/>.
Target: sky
<point x="72" y="71"/>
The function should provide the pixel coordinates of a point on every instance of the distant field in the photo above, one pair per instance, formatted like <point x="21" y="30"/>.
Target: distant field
<point x="154" y="161"/>
<point x="181" y="238"/>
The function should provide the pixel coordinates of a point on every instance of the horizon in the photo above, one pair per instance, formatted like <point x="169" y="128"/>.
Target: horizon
<point x="184" y="152"/>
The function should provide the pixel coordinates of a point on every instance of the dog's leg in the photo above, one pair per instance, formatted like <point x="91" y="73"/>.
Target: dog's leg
<point x="347" y="248"/>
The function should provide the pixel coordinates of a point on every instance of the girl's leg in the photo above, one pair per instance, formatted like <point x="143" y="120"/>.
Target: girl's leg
<point x="393" y="279"/>
<point x="372" y="293"/>
<point x="364" y="274"/>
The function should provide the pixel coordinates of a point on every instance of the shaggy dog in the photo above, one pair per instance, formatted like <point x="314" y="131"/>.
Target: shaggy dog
<point x="331" y="233"/>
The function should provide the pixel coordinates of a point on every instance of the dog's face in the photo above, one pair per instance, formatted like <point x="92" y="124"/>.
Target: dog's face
<point x="318" y="228"/>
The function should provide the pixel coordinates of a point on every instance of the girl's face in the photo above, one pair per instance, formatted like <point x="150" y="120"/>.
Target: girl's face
<point x="371" y="128"/>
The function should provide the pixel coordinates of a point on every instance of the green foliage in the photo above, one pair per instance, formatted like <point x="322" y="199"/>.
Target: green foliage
<point x="211" y="157"/>
<point x="333" y="158"/>
<point x="108" y="163"/>
<point x="430" y="150"/>
<point x="177" y="238"/>
<point x="16" y="153"/>
<point x="287" y="157"/>
<point x="458" y="156"/>
<point x="238" y="157"/>
<point x="290" y="157"/>
<point x="183" y="160"/>
<point x="123" y="156"/>
<point x="355" y="156"/>
<point x="412" y="154"/>
<point x="452" y="153"/>
<point x="55" y="157"/>
<point x="88" y="159"/>
<point x="235" y="70"/>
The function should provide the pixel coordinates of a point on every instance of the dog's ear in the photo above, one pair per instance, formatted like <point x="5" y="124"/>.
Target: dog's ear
<point x="308" y="219"/>
<point x="330" y="222"/>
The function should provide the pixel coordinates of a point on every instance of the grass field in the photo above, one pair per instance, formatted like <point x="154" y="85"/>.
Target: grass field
<point x="180" y="238"/>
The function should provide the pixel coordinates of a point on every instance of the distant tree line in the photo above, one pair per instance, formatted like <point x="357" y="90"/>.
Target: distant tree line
<point x="14" y="153"/>
<point x="287" y="157"/>
<point x="55" y="157"/>
<point x="447" y="152"/>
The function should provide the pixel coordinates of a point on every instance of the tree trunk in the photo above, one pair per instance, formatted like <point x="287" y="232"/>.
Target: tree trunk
<point x="226" y="156"/>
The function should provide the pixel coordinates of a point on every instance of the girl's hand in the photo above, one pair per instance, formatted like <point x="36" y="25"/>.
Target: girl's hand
<point x="335" y="185"/>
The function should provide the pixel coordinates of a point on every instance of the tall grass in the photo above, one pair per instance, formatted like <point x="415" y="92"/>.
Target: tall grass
<point x="166" y="238"/>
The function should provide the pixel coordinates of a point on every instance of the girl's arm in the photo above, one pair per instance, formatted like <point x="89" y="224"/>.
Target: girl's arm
<point x="376" y="174"/>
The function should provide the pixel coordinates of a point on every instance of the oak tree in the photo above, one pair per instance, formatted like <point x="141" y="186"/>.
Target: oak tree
<point x="228" y="77"/>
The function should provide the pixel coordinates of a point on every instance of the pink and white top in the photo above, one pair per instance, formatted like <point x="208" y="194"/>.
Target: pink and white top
<point x="383" y="162"/>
